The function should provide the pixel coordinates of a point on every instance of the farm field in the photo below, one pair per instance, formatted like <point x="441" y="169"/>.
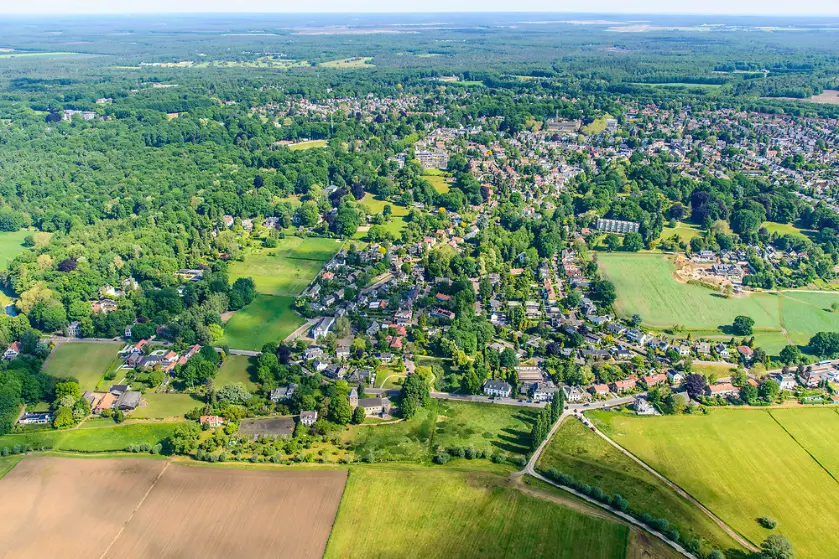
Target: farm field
<point x="141" y="508"/>
<point x="742" y="464"/>
<point x="235" y="369"/>
<point x="288" y="268"/>
<point x="267" y="318"/>
<point x="11" y="245"/>
<point x="576" y="451"/>
<point x="86" y="361"/>
<point x="484" y="426"/>
<point x="450" y="514"/>
<point x="106" y="436"/>
<point x="805" y="314"/>
<point x="165" y="406"/>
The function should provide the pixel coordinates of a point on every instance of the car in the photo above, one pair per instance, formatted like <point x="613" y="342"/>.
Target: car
<point x="586" y="405"/>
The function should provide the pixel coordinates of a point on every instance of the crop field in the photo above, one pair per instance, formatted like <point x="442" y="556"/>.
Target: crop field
<point x="484" y="426"/>
<point x="236" y="369"/>
<point x="745" y="464"/>
<point x="266" y="319"/>
<point x="72" y="507"/>
<point x="288" y="268"/>
<point x="166" y="406"/>
<point x="87" y="362"/>
<point x="576" y="451"/>
<point x="101" y="436"/>
<point x="442" y="512"/>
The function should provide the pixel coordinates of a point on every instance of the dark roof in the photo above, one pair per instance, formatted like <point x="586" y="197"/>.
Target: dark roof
<point x="278" y="427"/>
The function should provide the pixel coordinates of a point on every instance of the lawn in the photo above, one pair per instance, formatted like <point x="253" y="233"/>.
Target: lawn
<point x="645" y="285"/>
<point x="742" y="464"/>
<point x="86" y="362"/>
<point x="236" y="369"/>
<point x="439" y="183"/>
<point x="576" y="451"/>
<point x="106" y="437"/>
<point x="685" y="231"/>
<point x="375" y="205"/>
<point x="288" y="268"/>
<point x="442" y="512"/>
<point x="407" y="441"/>
<point x="11" y="245"/>
<point x="308" y="145"/>
<point x="709" y="369"/>
<point x="266" y="319"/>
<point x="165" y="406"/>
<point x="783" y="229"/>
<point x="493" y="427"/>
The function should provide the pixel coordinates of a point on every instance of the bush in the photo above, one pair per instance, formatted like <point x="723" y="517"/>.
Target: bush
<point x="498" y="458"/>
<point x="660" y="524"/>
<point x="767" y="522"/>
<point x="600" y="495"/>
<point x="16" y="449"/>
<point x="470" y="453"/>
<point x="157" y="449"/>
<point x="144" y="447"/>
<point x="673" y="534"/>
<point x="566" y="479"/>
<point x="442" y="458"/>
<point x="4" y="451"/>
<point x="620" y="503"/>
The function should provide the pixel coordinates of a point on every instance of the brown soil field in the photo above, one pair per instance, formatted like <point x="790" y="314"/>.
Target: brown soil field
<point x="128" y="508"/>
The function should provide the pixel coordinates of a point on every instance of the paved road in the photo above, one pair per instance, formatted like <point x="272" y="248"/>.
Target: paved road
<point x="303" y="329"/>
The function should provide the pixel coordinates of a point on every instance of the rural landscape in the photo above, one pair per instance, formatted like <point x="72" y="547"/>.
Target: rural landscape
<point x="419" y="285"/>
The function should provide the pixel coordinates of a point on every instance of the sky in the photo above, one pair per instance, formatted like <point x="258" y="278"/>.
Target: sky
<point x="733" y="7"/>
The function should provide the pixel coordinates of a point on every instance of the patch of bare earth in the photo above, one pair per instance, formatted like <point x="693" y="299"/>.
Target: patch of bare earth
<point x="126" y="508"/>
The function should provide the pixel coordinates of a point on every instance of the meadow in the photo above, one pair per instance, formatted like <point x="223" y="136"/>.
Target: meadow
<point x="85" y="361"/>
<point x="484" y="426"/>
<point x="236" y="368"/>
<point x="404" y="511"/>
<point x="267" y="318"/>
<point x="11" y="245"/>
<point x="685" y="231"/>
<point x="105" y="437"/>
<point x="166" y="406"/>
<point x="746" y="464"/>
<point x="349" y="63"/>
<point x="439" y="182"/>
<point x="576" y="451"/>
<point x="308" y="145"/>
<point x="375" y="205"/>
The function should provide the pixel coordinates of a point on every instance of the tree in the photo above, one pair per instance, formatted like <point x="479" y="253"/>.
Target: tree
<point x="604" y="291"/>
<point x="695" y="385"/>
<point x="825" y="344"/>
<point x="242" y="292"/>
<point x="633" y="242"/>
<point x="358" y="415"/>
<point x="340" y="411"/>
<point x="790" y="355"/>
<point x="63" y="418"/>
<point x="742" y="325"/>
<point x="635" y="320"/>
<point x="769" y="390"/>
<point x="185" y="437"/>
<point x="508" y="358"/>
<point x="776" y="546"/>
<point x="612" y="242"/>
<point x="749" y="394"/>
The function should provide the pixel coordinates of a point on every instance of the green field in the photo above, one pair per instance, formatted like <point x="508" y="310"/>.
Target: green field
<point x="783" y="229"/>
<point x="708" y="86"/>
<point x="375" y="205"/>
<point x="349" y="63"/>
<point x="11" y="245"/>
<point x="484" y="426"/>
<point x="308" y="145"/>
<point x="428" y="512"/>
<point x="685" y="232"/>
<point x="288" y="268"/>
<point x="9" y="462"/>
<point x="406" y="441"/>
<point x="105" y="437"/>
<point x="266" y="319"/>
<point x="576" y="451"/>
<point x="438" y="182"/>
<point x="39" y="54"/>
<point x="745" y="464"/>
<point x="236" y="369"/>
<point x="645" y="285"/>
<point x="166" y="406"/>
<point x="87" y="362"/>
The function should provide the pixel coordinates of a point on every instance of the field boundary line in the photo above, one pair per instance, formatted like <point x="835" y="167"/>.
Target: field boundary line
<point x="816" y="460"/>
<point x="680" y="491"/>
<point x="140" y="504"/>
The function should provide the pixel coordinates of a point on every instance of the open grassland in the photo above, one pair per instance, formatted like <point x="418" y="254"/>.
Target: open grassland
<point x="40" y="54"/>
<point x="406" y="441"/>
<point x="375" y="205"/>
<point x="783" y="229"/>
<point x="236" y="368"/>
<point x="106" y="508"/>
<point x="685" y="231"/>
<point x="308" y="145"/>
<point x="11" y="245"/>
<point x="576" y="451"/>
<point x="816" y="430"/>
<point x="428" y="512"/>
<point x="106" y="436"/>
<point x="439" y="182"/>
<point x="289" y="267"/>
<point x="266" y="319"/>
<point x="805" y="314"/>
<point x="87" y="362"/>
<point x="349" y="63"/>
<point x="484" y="426"/>
<point x="742" y="464"/>
<point x="166" y="406"/>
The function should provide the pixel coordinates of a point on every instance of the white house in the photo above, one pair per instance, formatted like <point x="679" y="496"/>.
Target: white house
<point x="497" y="388"/>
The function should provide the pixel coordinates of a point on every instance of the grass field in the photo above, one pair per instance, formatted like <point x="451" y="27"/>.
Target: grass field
<point x="576" y="451"/>
<point x="708" y="86"/>
<point x="308" y="145"/>
<point x="349" y="63"/>
<point x="375" y="205"/>
<point x="427" y="512"/>
<point x="266" y="319"/>
<point x="745" y="464"/>
<point x="236" y="369"/>
<point x="106" y="437"/>
<point x="87" y="362"/>
<point x="438" y="182"/>
<point x="166" y="406"/>
<point x="484" y="426"/>
<point x="39" y="54"/>
<point x="783" y="229"/>
<point x="9" y="462"/>
<point x="11" y="245"/>
<point x="685" y="231"/>
<point x="407" y="441"/>
<point x="645" y="285"/>
<point x="289" y="267"/>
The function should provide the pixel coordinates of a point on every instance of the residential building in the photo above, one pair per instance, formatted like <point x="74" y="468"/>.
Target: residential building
<point x="12" y="351"/>
<point x="642" y="406"/>
<point x="323" y="327"/>
<point x="723" y="389"/>
<point x="308" y="418"/>
<point x="625" y="385"/>
<point x="497" y="388"/>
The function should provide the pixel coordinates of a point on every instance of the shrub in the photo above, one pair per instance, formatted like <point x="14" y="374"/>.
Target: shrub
<point x="16" y="449"/>
<point x="620" y="503"/>
<point x="660" y="524"/>
<point x="157" y="449"/>
<point x="767" y="522"/>
<point x="673" y="534"/>
<point x="4" y="451"/>
<point x="144" y="447"/>
<point x="566" y="479"/>
<point x="600" y="495"/>
<point x="254" y="458"/>
<point x="470" y="453"/>
<point x="498" y="458"/>
<point x="441" y="458"/>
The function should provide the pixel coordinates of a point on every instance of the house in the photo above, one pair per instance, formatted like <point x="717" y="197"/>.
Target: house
<point x="703" y="348"/>
<point x="544" y="391"/>
<point x="362" y="376"/>
<point x="118" y="389"/>
<point x="371" y="406"/>
<point x="283" y="392"/>
<point x="812" y="378"/>
<point x="128" y="400"/>
<point x="308" y="418"/>
<point x="529" y="374"/>
<point x="211" y="420"/>
<point x="35" y="419"/>
<point x="342" y="352"/>
<point x="335" y="372"/>
<point x="599" y="389"/>
<point x="323" y="327"/>
<point x="723" y="389"/>
<point x="684" y="350"/>
<point x="313" y="353"/>
<point x="384" y="357"/>
<point x="105" y="403"/>
<point x="653" y="380"/>
<point x="497" y="388"/>
<point x="74" y="329"/>
<point x="625" y="385"/>
<point x="746" y="352"/>
<point x="636" y="336"/>
<point x="642" y="406"/>
<point x="573" y="393"/>
<point x="675" y="377"/>
<point x="722" y="351"/>
<point x="12" y="351"/>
